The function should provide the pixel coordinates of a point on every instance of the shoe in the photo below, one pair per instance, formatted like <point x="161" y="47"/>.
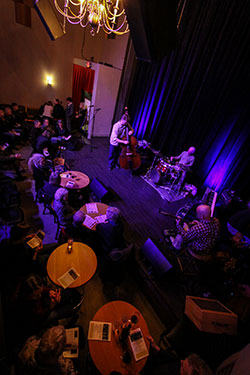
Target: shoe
<point x="110" y="168"/>
<point x="117" y="166"/>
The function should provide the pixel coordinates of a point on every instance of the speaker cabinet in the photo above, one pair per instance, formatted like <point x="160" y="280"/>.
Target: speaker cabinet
<point x="155" y="258"/>
<point x="152" y="27"/>
<point x="49" y="19"/>
<point x="99" y="191"/>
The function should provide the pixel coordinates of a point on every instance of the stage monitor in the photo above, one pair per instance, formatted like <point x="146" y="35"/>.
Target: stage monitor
<point x="156" y="259"/>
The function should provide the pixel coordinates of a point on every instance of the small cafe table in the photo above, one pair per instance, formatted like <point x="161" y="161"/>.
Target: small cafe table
<point x="74" y="180"/>
<point x="106" y="355"/>
<point x="81" y="257"/>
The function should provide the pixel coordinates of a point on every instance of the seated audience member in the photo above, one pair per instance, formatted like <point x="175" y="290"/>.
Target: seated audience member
<point x="11" y="160"/>
<point x="78" y="231"/>
<point x="20" y="119"/>
<point x="44" y="356"/>
<point x="200" y="235"/>
<point x="51" y="186"/>
<point x="41" y="172"/>
<point x="45" y="123"/>
<point x="18" y="115"/>
<point x="7" y="133"/>
<point x="35" y="132"/>
<point x="14" y="127"/>
<point x="45" y="305"/>
<point x="44" y="145"/>
<point x="111" y="233"/>
<point x="61" y="131"/>
<point x="60" y="136"/>
<point x="58" y="110"/>
<point x="61" y="206"/>
<point x="164" y="362"/>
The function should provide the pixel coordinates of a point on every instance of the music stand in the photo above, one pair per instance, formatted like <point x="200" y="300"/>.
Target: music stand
<point x="92" y="129"/>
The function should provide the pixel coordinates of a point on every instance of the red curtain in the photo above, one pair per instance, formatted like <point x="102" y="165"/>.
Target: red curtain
<point x="83" y="79"/>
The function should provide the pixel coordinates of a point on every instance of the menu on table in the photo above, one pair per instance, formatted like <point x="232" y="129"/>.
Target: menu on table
<point x="68" y="277"/>
<point x="91" y="208"/>
<point x="138" y="345"/>
<point x="89" y="222"/>
<point x="99" y="331"/>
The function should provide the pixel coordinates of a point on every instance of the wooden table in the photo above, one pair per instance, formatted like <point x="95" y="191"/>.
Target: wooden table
<point x="79" y="179"/>
<point x="102" y="209"/>
<point x="82" y="258"/>
<point x="107" y="355"/>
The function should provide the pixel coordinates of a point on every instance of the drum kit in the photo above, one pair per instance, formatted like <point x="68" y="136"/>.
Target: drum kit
<point x="163" y="172"/>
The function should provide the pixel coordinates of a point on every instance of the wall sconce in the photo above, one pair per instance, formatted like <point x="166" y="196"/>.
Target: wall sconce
<point x="49" y="80"/>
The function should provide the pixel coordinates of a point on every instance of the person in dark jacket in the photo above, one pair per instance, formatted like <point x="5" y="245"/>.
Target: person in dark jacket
<point x="58" y="111"/>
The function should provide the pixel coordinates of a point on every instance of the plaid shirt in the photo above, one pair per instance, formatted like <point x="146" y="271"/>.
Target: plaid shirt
<point x="201" y="237"/>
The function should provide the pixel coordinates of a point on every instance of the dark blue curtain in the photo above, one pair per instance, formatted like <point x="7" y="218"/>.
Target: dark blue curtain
<point x="199" y="95"/>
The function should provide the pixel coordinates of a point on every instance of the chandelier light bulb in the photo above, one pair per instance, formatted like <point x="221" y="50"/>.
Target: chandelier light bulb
<point x="107" y="15"/>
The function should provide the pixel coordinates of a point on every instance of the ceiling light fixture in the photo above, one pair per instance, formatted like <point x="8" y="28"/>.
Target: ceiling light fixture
<point x="106" y="14"/>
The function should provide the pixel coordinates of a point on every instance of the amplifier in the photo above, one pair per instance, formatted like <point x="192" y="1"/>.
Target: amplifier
<point x="209" y="315"/>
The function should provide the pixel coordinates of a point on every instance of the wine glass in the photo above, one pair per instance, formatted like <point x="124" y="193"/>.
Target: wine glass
<point x="135" y="317"/>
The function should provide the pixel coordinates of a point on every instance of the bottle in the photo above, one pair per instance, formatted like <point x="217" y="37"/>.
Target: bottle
<point x="125" y="329"/>
<point x="70" y="245"/>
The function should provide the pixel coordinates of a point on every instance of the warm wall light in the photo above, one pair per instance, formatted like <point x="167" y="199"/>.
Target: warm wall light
<point x="49" y="80"/>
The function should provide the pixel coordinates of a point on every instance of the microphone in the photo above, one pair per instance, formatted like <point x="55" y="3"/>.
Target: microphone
<point x="98" y="109"/>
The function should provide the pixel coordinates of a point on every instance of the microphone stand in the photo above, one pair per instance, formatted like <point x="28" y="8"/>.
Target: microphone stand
<point x="92" y="129"/>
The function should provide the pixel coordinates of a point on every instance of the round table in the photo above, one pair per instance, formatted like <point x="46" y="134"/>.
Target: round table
<point x="107" y="355"/>
<point x="79" y="180"/>
<point x="102" y="209"/>
<point x="82" y="258"/>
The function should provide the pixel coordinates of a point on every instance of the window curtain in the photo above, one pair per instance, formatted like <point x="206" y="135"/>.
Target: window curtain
<point x="83" y="80"/>
<point x="199" y="95"/>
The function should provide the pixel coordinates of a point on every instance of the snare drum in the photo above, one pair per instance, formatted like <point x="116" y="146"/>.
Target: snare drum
<point x="162" y="166"/>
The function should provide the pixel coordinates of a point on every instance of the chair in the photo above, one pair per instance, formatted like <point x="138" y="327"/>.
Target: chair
<point x="46" y="200"/>
<point x="187" y="263"/>
<point x="56" y="221"/>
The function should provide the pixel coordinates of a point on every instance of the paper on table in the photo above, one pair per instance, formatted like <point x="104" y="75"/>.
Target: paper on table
<point x="72" y="343"/>
<point x="68" y="277"/>
<point x="101" y="218"/>
<point x="89" y="222"/>
<point x="70" y="184"/>
<point x="138" y="345"/>
<point x="99" y="331"/>
<point x="91" y="208"/>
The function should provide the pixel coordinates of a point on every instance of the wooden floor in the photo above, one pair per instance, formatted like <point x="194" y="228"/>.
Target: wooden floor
<point x="139" y="204"/>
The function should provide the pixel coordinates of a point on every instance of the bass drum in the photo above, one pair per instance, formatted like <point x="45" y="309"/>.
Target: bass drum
<point x="155" y="176"/>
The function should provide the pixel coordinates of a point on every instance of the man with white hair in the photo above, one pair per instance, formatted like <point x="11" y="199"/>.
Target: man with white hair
<point x="185" y="161"/>
<point x="200" y="235"/>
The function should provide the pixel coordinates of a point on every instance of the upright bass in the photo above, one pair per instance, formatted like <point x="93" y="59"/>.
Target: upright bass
<point x="129" y="158"/>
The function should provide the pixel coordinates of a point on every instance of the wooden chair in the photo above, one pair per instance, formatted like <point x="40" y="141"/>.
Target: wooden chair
<point x="56" y="221"/>
<point x="187" y="263"/>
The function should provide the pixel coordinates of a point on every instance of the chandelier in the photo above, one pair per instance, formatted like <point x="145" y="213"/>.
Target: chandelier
<point x="105" y="14"/>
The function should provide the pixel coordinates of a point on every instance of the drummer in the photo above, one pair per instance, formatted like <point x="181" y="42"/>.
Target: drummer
<point x="185" y="161"/>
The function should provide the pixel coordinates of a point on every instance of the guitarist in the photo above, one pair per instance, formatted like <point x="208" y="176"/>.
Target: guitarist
<point x="118" y="132"/>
